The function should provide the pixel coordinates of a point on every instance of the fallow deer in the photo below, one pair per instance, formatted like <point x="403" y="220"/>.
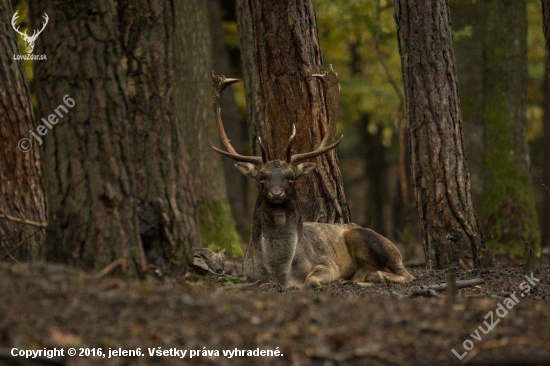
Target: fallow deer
<point x="287" y="251"/>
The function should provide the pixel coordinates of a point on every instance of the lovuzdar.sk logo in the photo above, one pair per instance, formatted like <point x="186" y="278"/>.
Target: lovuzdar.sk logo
<point x="29" y="40"/>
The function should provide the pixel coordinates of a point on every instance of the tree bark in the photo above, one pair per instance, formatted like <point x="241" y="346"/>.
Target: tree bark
<point x="21" y="191"/>
<point x="287" y="54"/>
<point x="508" y="212"/>
<point x="194" y="64"/>
<point x="467" y="26"/>
<point x="545" y="219"/>
<point x="450" y="229"/>
<point x="88" y="156"/>
<point x="166" y="204"/>
<point x="254" y="107"/>
<point x="235" y="128"/>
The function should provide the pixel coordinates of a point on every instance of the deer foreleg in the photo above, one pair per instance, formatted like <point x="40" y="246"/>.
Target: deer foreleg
<point x="321" y="275"/>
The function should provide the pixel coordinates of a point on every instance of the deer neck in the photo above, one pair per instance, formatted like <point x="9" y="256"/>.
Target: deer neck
<point x="275" y="235"/>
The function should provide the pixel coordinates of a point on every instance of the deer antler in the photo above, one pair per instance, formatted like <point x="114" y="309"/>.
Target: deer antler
<point x="330" y="83"/>
<point x="36" y="33"/>
<point x="13" y="19"/>
<point x="220" y="83"/>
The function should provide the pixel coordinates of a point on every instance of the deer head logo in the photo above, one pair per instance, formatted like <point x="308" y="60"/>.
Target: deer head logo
<point x="29" y="41"/>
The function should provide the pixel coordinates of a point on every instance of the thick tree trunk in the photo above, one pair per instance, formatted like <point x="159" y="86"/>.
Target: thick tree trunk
<point x="467" y="25"/>
<point x="194" y="65"/>
<point x="88" y="154"/>
<point x="287" y="54"/>
<point x="21" y="192"/>
<point x="164" y="188"/>
<point x="508" y="212"/>
<point x="545" y="219"/>
<point x="451" y="232"/>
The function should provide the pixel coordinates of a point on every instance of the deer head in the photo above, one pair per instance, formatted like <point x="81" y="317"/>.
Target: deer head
<point x="29" y="41"/>
<point x="276" y="178"/>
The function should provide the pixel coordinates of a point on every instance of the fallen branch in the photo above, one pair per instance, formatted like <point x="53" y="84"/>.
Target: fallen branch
<point x="459" y="284"/>
<point x="105" y="271"/>
<point x="432" y="290"/>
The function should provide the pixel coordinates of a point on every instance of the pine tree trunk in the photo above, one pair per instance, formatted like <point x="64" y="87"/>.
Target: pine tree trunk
<point x="287" y="54"/>
<point x="166" y="204"/>
<point x="21" y="192"/>
<point x="467" y="26"/>
<point x="508" y="212"/>
<point x="88" y="154"/>
<point x="194" y="64"/>
<point x="450" y="229"/>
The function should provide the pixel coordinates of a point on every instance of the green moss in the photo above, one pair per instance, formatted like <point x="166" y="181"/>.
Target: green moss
<point x="218" y="228"/>
<point x="508" y="211"/>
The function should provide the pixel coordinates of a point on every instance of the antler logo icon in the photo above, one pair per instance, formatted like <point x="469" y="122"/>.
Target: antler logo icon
<point x="29" y="41"/>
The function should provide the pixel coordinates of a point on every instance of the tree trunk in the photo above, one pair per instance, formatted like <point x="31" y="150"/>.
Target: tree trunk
<point x="21" y="192"/>
<point x="376" y="173"/>
<point x="166" y="204"/>
<point x="194" y="64"/>
<point x="545" y="219"/>
<point x="508" y="212"/>
<point x="235" y="128"/>
<point x="254" y="107"/>
<point x="450" y="229"/>
<point x="287" y="54"/>
<point x="467" y="26"/>
<point x="88" y="152"/>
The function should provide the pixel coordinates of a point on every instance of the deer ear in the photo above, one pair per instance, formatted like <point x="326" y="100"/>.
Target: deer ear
<point x="304" y="169"/>
<point x="248" y="169"/>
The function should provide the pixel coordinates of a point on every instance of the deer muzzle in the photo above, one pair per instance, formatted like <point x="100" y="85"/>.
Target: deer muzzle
<point x="276" y="195"/>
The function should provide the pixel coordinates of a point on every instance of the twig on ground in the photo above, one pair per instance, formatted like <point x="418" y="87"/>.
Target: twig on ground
<point x="105" y="271"/>
<point x="432" y="290"/>
<point x="459" y="284"/>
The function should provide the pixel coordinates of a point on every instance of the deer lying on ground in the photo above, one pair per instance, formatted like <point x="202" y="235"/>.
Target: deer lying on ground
<point x="287" y="251"/>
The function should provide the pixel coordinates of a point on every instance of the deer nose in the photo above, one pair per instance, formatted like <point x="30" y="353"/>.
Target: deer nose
<point x="276" y="193"/>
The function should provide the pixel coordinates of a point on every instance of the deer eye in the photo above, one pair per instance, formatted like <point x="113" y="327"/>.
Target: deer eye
<point x="290" y="180"/>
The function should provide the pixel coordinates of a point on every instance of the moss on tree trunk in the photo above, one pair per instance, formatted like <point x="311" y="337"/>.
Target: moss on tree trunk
<point x="197" y="126"/>
<point x="508" y="210"/>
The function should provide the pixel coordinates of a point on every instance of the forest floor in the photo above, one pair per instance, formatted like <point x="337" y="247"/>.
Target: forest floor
<point x="46" y="306"/>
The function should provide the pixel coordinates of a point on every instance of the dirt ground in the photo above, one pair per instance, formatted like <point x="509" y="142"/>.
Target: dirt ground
<point x="45" y="306"/>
